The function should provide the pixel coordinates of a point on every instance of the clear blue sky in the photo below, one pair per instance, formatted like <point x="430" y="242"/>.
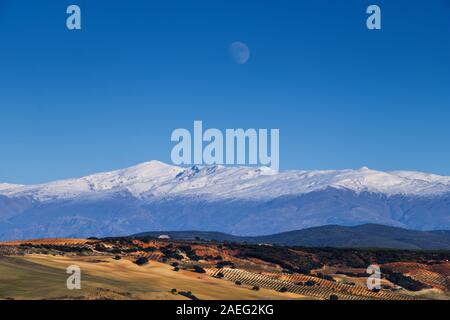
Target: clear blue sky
<point x="109" y="96"/>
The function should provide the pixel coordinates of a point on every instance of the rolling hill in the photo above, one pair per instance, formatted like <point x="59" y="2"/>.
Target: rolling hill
<point x="363" y="236"/>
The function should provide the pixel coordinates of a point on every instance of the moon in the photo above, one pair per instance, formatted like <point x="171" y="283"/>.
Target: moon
<point x="239" y="52"/>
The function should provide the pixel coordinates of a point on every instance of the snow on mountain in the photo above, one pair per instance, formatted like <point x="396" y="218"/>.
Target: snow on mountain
<point x="136" y="180"/>
<point x="6" y="186"/>
<point x="235" y="200"/>
<point x="157" y="179"/>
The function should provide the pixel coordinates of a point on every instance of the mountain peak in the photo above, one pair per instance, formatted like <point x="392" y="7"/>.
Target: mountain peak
<point x="153" y="164"/>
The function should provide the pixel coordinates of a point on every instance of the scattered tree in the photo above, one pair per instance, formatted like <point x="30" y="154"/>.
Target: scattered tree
<point x="141" y="261"/>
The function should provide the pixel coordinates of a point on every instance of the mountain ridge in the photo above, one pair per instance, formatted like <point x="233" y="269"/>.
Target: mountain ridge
<point x="361" y="236"/>
<point x="236" y="200"/>
<point x="157" y="178"/>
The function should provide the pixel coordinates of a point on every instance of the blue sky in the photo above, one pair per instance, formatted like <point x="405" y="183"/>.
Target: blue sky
<point x="109" y="96"/>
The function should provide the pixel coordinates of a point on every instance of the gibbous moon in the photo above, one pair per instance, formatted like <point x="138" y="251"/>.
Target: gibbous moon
<point x="239" y="52"/>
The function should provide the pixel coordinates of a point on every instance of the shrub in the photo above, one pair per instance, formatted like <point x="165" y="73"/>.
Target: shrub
<point x="186" y="248"/>
<point x="334" y="297"/>
<point x="114" y="251"/>
<point x="171" y="254"/>
<point x="175" y="256"/>
<point x="255" y="288"/>
<point x="199" y="269"/>
<point x="325" y="277"/>
<point x="194" y="257"/>
<point x="222" y="264"/>
<point x="141" y="261"/>
<point x="100" y="247"/>
<point x="310" y="283"/>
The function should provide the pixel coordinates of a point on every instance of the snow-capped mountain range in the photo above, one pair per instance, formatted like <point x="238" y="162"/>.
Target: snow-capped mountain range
<point x="158" y="179"/>
<point x="238" y="200"/>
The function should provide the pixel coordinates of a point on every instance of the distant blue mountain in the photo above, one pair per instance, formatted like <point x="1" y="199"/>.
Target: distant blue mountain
<point x="363" y="236"/>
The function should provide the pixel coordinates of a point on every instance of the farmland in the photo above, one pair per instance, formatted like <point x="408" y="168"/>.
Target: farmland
<point x="150" y="268"/>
